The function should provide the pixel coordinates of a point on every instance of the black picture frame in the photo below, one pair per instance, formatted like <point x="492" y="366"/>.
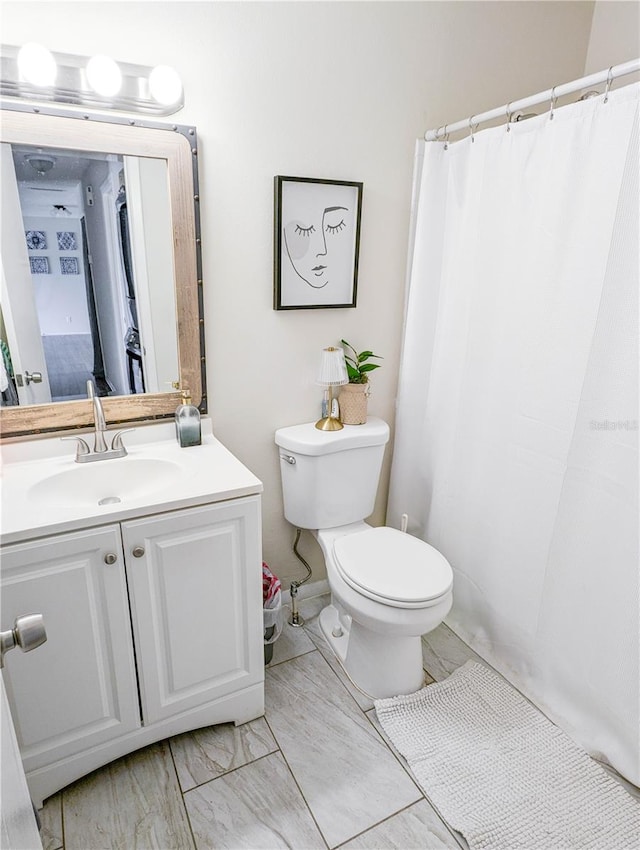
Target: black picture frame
<point x="316" y="243"/>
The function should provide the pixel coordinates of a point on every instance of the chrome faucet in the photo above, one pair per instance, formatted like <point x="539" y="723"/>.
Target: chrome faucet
<point x="100" y="448"/>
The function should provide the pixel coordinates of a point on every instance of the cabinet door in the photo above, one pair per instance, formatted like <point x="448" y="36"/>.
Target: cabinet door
<point x="79" y="688"/>
<point x="196" y="604"/>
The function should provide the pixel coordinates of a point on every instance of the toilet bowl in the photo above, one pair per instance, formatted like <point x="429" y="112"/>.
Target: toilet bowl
<point x="388" y="588"/>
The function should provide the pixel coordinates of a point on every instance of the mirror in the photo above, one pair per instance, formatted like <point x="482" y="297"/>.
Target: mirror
<point x="80" y="196"/>
<point x="97" y="235"/>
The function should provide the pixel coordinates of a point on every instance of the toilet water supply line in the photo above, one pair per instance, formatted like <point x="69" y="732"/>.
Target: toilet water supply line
<point x="295" y="619"/>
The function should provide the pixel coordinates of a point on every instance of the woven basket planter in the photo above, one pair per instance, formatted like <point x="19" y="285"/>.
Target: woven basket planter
<point x="353" y="403"/>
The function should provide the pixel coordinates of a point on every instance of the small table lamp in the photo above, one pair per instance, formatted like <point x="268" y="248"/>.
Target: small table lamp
<point x="333" y="373"/>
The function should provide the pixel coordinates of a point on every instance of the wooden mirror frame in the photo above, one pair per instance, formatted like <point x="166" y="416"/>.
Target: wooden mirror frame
<point x="44" y="127"/>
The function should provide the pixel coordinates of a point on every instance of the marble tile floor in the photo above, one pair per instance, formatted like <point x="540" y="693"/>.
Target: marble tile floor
<point x="315" y="772"/>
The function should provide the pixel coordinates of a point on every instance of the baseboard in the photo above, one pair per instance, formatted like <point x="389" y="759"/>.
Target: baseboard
<point x="307" y="591"/>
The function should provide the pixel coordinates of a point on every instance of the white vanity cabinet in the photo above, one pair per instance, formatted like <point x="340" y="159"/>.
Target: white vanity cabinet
<point x="193" y="578"/>
<point x="79" y="690"/>
<point x="154" y="627"/>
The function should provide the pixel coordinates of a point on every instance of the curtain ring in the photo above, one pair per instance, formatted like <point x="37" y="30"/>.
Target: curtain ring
<point x="508" y="110"/>
<point x="446" y="137"/>
<point x="471" y="128"/>
<point x="553" y="103"/>
<point x="608" y="85"/>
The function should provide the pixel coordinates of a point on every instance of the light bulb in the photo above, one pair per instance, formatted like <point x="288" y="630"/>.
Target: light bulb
<point x="165" y="85"/>
<point x="37" y="65"/>
<point x="104" y="75"/>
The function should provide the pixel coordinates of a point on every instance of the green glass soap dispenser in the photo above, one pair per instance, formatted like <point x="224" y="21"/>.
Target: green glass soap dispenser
<point x="188" y="429"/>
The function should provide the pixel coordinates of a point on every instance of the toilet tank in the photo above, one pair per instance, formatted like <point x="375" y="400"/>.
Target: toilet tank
<point x="330" y="478"/>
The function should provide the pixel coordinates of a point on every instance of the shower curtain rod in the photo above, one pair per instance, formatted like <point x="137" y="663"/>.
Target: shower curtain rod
<point x="471" y="123"/>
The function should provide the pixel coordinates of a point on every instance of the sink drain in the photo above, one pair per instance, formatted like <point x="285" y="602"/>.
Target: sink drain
<point x="110" y="500"/>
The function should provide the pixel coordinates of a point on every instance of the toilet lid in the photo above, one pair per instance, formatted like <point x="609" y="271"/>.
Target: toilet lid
<point x="389" y="565"/>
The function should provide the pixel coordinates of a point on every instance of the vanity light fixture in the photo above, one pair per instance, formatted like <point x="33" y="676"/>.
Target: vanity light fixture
<point x="165" y="85"/>
<point x="32" y="73"/>
<point x="37" y="65"/>
<point x="104" y="76"/>
<point x="332" y="373"/>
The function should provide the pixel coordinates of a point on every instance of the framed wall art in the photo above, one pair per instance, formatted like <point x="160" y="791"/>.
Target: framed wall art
<point x="39" y="265"/>
<point x="67" y="241"/>
<point x="36" y="240"/>
<point x="69" y="265"/>
<point x="316" y="243"/>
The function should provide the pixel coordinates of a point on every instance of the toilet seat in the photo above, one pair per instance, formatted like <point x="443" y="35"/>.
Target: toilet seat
<point x="392" y="567"/>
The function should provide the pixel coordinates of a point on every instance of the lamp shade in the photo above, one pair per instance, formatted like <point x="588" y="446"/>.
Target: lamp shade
<point x="333" y="369"/>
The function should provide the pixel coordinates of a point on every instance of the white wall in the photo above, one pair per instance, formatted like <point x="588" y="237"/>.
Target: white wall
<point x="61" y="299"/>
<point x="333" y="90"/>
<point x="615" y="36"/>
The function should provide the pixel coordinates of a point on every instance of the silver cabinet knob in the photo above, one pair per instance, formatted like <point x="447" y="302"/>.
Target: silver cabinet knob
<point x="110" y="558"/>
<point x="28" y="632"/>
<point x="137" y="551"/>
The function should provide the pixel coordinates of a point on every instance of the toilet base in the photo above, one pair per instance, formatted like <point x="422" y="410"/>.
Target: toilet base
<point x="378" y="665"/>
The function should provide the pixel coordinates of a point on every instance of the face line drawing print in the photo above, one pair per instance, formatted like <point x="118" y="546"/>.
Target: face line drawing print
<point x="306" y="232"/>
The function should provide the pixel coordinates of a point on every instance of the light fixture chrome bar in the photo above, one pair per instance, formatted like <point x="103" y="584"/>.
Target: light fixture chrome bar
<point x="607" y="75"/>
<point x="72" y="87"/>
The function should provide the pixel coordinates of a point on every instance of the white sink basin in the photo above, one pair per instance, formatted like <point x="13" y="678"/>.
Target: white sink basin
<point x="106" y="482"/>
<point x="44" y="491"/>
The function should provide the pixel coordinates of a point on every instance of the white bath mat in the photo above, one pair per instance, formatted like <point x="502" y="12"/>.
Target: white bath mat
<point x="502" y="774"/>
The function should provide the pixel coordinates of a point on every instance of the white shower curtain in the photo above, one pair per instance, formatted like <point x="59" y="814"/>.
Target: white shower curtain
<point x="516" y="447"/>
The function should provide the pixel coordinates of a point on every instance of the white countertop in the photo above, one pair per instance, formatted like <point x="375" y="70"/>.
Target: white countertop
<point x="200" y="474"/>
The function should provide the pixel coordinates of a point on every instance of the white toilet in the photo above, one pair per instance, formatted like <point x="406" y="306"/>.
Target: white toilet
<point x="387" y="587"/>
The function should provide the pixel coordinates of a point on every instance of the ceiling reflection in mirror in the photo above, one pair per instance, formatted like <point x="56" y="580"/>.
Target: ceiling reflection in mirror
<point x="101" y="269"/>
<point x="97" y="241"/>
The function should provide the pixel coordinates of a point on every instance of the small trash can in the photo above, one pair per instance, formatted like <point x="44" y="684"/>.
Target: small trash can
<point x="271" y="610"/>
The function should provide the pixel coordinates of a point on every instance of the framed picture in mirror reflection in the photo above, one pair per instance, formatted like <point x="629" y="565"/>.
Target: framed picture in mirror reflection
<point x="39" y="265"/>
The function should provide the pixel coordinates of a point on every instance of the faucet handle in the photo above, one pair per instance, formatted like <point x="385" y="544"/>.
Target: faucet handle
<point x="82" y="447"/>
<point x="117" y="444"/>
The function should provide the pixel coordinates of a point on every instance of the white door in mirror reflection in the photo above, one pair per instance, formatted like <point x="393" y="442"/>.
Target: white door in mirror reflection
<point x="19" y="313"/>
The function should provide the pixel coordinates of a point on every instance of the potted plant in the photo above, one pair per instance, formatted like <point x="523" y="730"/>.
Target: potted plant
<point x="354" y="395"/>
